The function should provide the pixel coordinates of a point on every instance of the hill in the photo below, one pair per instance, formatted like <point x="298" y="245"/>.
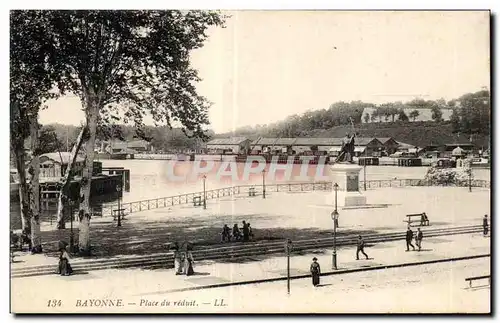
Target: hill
<point x="419" y="134"/>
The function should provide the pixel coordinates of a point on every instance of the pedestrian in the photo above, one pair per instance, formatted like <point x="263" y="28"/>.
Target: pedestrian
<point x="64" y="268"/>
<point x="409" y="237"/>
<point x="250" y="231"/>
<point x="361" y="248"/>
<point x="245" y="231"/>
<point x="485" y="225"/>
<point x="236" y="232"/>
<point x="315" y="272"/>
<point x="424" y="220"/>
<point x="418" y="239"/>
<point x="177" y="259"/>
<point x="226" y="235"/>
<point x="189" y="260"/>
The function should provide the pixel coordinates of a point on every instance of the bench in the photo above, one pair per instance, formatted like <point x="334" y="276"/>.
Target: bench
<point x="421" y="219"/>
<point x="251" y="191"/>
<point x="119" y="212"/>
<point x="97" y="213"/>
<point x="197" y="201"/>
<point x="471" y="279"/>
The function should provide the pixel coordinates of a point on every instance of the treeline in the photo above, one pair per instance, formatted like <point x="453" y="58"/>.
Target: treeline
<point x="58" y="137"/>
<point x="471" y="114"/>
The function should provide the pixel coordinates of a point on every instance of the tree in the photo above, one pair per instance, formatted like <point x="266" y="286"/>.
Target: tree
<point x="414" y="114"/>
<point x="437" y="114"/>
<point x="402" y="116"/>
<point x="134" y="61"/>
<point x="49" y="141"/>
<point x="455" y="120"/>
<point x="32" y="76"/>
<point x="367" y="117"/>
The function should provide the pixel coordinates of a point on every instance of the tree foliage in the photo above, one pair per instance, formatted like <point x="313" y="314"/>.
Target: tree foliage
<point x="473" y="113"/>
<point x="137" y="61"/>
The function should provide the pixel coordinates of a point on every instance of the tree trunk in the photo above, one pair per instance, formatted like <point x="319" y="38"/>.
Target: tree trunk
<point x="63" y="195"/>
<point x="23" y="188"/>
<point x="36" y="240"/>
<point x="92" y="103"/>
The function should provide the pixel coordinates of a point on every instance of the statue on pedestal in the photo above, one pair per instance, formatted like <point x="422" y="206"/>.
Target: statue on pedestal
<point x="347" y="150"/>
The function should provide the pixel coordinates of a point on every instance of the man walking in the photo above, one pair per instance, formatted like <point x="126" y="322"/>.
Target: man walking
<point x="418" y="239"/>
<point x="485" y="225"/>
<point x="409" y="237"/>
<point x="361" y="247"/>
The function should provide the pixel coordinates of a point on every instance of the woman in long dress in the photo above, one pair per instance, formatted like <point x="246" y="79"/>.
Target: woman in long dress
<point x="315" y="272"/>
<point x="177" y="259"/>
<point x="189" y="261"/>
<point x="64" y="265"/>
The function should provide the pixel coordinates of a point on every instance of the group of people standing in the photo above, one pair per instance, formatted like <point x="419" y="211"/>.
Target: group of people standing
<point x="183" y="259"/>
<point x="236" y="234"/>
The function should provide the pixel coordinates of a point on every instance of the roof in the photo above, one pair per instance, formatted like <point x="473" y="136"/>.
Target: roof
<point x="310" y="141"/>
<point x="467" y="144"/>
<point x="457" y="151"/>
<point x="128" y="144"/>
<point x="64" y="155"/>
<point x="227" y="141"/>
<point x="274" y="141"/>
<point x="405" y="145"/>
<point x="318" y="141"/>
<point x="364" y="140"/>
<point x="385" y="139"/>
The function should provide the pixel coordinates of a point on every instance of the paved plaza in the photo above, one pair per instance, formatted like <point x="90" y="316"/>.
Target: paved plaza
<point x="132" y="285"/>
<point x="296" y="215"/>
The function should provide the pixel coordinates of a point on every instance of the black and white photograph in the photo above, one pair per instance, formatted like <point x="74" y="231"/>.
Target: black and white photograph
<point x="176" y="161"/>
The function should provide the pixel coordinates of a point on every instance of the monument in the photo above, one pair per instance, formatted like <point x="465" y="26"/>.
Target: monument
<point x="346" y="174"/>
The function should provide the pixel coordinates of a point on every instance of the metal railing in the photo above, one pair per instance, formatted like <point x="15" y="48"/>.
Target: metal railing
<point x="244" y="190"/>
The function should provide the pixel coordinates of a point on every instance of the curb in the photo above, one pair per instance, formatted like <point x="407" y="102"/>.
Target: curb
<point x="330" y="273"/>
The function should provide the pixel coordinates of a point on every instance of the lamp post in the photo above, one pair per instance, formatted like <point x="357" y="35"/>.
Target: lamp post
<point x="335" y="218"/>
<point x="469" y="171"/>
<point x="364" y="168"/>
<point x="204" y="193"/>
<point x="288" y="249"/>
<point x="71" y="234"/>
<point x="119" y="189"/>
<point x="264" y="184"/>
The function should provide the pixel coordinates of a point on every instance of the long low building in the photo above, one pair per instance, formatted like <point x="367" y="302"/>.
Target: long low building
<point x="321" y="146"/>
<point x="233" y="145"/>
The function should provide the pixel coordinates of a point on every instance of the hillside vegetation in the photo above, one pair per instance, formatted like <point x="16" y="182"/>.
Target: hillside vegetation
<point x="469" y="119"/>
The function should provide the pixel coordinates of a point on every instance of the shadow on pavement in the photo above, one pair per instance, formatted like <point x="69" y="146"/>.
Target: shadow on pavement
<point x="150" y="237"/>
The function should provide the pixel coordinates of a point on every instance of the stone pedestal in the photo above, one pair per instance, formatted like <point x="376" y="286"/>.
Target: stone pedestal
<point x="348" y="193"/>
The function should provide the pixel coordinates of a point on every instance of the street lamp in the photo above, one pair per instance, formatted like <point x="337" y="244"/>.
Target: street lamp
<point x="469" y="171"/>
<point x="335" y="218"/>
<point x="264" y="184"/>
<point x="71" y="234"/>
<point x="364" y="168"/>
<point x="119" y="189"/>
<point x="204" y="193"/>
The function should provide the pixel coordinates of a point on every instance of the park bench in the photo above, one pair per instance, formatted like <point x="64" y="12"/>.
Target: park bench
<point x="197" y="201"/>
<point x="471" y="279"/>
<point x="251" y="191"/>
<point x="119" y="212"/>
<point x="97" y="213"/>
<point x="420" y="218"/>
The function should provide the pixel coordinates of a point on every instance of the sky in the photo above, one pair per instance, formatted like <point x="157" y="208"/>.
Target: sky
<point x="266" y="65"/>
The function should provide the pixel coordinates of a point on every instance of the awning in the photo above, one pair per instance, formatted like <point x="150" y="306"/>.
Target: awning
<point x="359" y="149"/>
